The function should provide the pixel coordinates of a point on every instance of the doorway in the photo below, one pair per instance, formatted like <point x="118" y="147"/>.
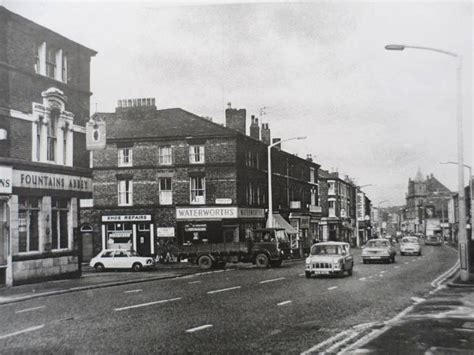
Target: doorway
<point x="143" y="239"/>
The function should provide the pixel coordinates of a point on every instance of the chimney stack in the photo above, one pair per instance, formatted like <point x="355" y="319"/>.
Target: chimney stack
<point x="276" y="140"/>
<point x="135" y="108"/>
<point x="266" y="137"/>
<point x="254" y="128"/>
<point x="235" y="118"/>
<point x="309" y="157"/>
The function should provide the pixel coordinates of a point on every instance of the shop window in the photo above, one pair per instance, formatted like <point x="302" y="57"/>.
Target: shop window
<point x="165" y="156"/>
<point x="28" y="228"/>
<point x="120" y="233"/>
<point x="166" y="193"/>
<point x="198" y="190"/>
<point x="196" y="154"/>
<point x="59" y="224"/>
<point x="125" y="192"/>
<point x="125" y="157"/>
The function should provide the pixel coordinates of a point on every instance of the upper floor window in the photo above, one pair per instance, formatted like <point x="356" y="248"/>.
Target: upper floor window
<point x="311" y="175"/>
<point x="166" y="193"/>
<point x="125" y="157"/>
<point x="165" y="155"/>
<point x="52" y="139"/>
<point x="331" y="187"/>
<point x="198" y="190"/>
<point x="196" y="154"/>
<point x="125" y="192"/>
<point x="51" y="62"/>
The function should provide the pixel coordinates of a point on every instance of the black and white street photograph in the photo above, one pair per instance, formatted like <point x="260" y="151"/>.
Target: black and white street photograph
<point x="236" y="177"/>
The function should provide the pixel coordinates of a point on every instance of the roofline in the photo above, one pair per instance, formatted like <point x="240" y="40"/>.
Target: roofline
<point x="29" y="22"/>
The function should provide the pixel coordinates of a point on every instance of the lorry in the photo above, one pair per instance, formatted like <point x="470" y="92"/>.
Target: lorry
<point x="264" y="247"/>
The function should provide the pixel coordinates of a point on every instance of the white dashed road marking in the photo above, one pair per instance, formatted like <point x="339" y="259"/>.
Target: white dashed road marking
<point x="406" y="262"/>
<point x="224" y="289"/>
<point x="147" y="304"/>
<point x="30" y="309"/>
<point x="205" y="326"/>
<point x="332" y="288"/>
<point x="134" y="291"/>
<point x="301" y="274"/>
<point x="272" y="280"/>
<point x="283" y="303"/>
<point x="396" y="267"/>
<point x="31" y="329"/>
<point x="362" y="279"/>
<point x="194" y="282"/>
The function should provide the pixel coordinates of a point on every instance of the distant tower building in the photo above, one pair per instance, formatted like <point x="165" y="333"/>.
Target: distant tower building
<point x="236" y="119"/>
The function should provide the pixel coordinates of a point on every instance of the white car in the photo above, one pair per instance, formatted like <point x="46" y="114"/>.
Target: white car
<point x="329" y="258"/>
<point x="120" y="259"/>
<point x="410" y="245"/>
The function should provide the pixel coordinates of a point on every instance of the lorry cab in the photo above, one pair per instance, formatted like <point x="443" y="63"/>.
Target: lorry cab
<point x="269" y="246"/>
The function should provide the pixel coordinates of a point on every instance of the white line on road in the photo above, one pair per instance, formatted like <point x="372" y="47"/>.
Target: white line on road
<point x="382" y="272"/>
<point x="370" y="277"/>
<point x="301" y="274"/>
<point x="396" y="267"/>
<point x="272" y="280"/>
<point x="31" y="329"/>
<point x="134" y="291"/>
<point x="194" y="282"/>
<point x="147" y="304"/>
<point x="406" y="262"/>
<point x="30" y="309"/>
<point x="380" y="275"/>
<point x="283" y="303"/>
<point x="205" y="326"/>
<point x="362" y="279"/>
<point x="332" y="288"/>
<point x="224" y="289"/>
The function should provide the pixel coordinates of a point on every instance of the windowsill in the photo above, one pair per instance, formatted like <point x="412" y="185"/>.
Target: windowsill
<point x="197" y="163"/>
<point x="46" y="76"/>
<point x="59" y="250"/>
<point x="197" y="203"/>
<point x="29" y="252"/>
<point x="125" y="166"/>
<point x="129" y="205"/>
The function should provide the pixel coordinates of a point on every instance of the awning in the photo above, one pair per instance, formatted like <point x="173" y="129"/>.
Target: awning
<point x="280" y="222"/>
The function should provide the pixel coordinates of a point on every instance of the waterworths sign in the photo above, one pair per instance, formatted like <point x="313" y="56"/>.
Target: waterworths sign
<point x="208" y="213"/>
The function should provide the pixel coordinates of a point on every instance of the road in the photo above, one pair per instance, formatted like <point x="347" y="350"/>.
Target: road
<point x="240" y="309"/>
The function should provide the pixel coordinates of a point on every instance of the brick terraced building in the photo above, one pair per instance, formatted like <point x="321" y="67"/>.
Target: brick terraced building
<point x="172" y="174"/>
<point x="44" y="167"/>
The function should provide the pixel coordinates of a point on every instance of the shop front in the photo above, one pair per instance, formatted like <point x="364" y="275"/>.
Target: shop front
<point x="217" y="224"/>
<point x="38" y="221"/>
<point x="129" y="231"/>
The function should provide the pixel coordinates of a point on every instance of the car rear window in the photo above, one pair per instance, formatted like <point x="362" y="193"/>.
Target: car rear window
<point x="377" y="244"/>
<point x="410" y="240"/>
<point x="326" y="249"/>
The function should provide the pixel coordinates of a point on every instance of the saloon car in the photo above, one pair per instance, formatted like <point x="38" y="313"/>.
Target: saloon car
<point x="120" y="259"/>
<point x="410" y="245"/>
<point x="329" y="258"/>
<point x="433" y="240"/>
<point x="378" y="250"/>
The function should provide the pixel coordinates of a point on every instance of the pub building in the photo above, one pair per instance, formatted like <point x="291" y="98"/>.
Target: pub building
<point x="168" y="176"/>
<point x="44" y="167"/>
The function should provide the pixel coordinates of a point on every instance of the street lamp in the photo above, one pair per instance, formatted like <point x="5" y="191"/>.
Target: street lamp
<point x="463" y="242"/>
<point x="358" y="188"/>
<point x="269" y="172"/>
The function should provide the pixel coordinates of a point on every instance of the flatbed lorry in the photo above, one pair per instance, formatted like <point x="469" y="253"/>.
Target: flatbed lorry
<point x="264" y="247"/>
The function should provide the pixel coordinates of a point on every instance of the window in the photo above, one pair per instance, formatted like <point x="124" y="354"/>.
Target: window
<point x="28" y="231"/>
<point x="311" y="175"/>
<point x="51" y="144"/>
<point x="64" y="68"/>
<point x="332" y="208"/>
<point x="313" y="197"/>
<point x="38" y="57"/>
<point x="198" y="190"/>
<point x="65" y="129"/>
<point x="164" y="156"/>
<point x="331" y="187"/>
<point x="38" y="138"/>
<point x="51" y="62"/>
<point x="196" y="154"/>
<point x="166" y="193"/>
<point x="125" y="157"/>
<point x="125" y="192"/>
<point x="59" y="225"/>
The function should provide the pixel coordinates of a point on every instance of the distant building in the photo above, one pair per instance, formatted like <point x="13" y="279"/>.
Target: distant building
<point x="427" y="198"/>
<point x="44" y="166"/>
<point x="170" y="175"/>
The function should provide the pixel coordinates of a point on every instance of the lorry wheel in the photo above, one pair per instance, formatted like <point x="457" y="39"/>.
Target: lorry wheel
<point x="307" y="274"/>
<point x="261" y="260"/>
<point x="276" y="263"/>
<point x="205" y="262"/>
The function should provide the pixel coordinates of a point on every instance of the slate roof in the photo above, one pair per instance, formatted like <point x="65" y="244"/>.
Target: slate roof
<point x="433" y="184"/>
<point x="168" y="123"/>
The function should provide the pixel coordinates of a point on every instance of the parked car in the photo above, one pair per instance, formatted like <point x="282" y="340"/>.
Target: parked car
<point x="120" y="259"/>
<point x="433" y="240"/>
<point x="410" y="245"/>
<point x="329" y="258"/>
<point x="378" y="250"/>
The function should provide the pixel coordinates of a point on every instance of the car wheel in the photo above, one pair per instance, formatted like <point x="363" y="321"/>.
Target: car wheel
<point x="99" y="267"/>
<point x="364" y="261"/>
<point x="419" y="253"/>
<point x="402" y="253"/>
<point x="393" y="259"/>
<point x="349" y="272"/>
<point x="136" y="267"/>
<point x="205" y="262"/>
<point x="307" y="274"/>
<point x="261" y="260"/>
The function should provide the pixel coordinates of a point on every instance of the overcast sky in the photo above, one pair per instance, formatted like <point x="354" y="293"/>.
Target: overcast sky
<point x="319" y="68"/>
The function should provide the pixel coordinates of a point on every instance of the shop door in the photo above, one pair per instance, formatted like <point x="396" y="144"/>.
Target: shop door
<point x="87" y="247"/>
<point x="143" y="239"/>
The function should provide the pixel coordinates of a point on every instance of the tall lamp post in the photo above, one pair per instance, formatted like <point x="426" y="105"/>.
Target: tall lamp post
<point x="358" y="188"/>
<point x="269" y="172"/>
<point x="462" y="236"/>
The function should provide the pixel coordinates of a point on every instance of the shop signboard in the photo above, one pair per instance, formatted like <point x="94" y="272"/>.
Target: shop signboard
<point x="206" y="213"/>
<point x="6" y="180"/>
<point x="43" y="180"/>
<point x="127" y="218"/>
<point x="165" y="232"/>
<point x="195" y="228"/>
<point x="120" y="234"/>
<point x="223" y="201"/>
<point x="251" y="213"/>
